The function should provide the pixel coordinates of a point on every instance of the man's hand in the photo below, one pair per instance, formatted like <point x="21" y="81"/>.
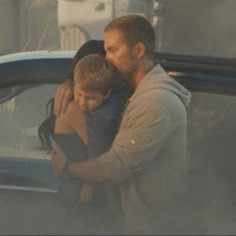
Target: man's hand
<point x="63" y="96"/>
<point x="58" y="158"/>
<point x="86" y="194"/>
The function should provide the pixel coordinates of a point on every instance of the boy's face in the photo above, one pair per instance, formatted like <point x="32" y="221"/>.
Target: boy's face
<point x="119" y="53"/>
<point x="88" y="100"/>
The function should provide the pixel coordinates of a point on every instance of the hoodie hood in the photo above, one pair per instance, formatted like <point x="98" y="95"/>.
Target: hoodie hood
<point x="157" y="78"/>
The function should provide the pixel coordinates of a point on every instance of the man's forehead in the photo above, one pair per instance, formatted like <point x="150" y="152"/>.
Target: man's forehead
<point x="112" y="38"/>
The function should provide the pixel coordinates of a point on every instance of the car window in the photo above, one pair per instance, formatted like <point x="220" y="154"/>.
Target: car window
<point x="20" y="118"/>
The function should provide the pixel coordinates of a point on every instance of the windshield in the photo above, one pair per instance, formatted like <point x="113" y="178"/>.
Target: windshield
<point x="190" y="27"/>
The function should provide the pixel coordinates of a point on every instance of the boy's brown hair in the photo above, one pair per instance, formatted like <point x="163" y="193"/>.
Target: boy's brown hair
<point x="135" y="29"/>
<point x="95" y="73"/>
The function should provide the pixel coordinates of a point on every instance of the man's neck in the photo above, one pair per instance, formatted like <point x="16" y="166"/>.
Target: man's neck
<point x="141" y="71"/>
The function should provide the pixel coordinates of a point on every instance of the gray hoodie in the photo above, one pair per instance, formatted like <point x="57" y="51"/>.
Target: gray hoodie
<point x="148" y="156"/>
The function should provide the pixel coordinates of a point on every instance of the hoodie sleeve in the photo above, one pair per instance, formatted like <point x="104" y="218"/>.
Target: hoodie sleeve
<point x="144" y="130"/>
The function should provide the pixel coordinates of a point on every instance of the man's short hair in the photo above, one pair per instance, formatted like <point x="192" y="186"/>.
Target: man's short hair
<point x="135" y="29"/>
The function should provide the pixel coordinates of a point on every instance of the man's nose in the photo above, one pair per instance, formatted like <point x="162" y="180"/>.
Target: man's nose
<point x="108" y="57"/>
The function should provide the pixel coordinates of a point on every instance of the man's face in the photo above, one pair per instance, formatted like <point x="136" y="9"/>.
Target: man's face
<point x="118" y="52"/>
<point x="88" y="100"/>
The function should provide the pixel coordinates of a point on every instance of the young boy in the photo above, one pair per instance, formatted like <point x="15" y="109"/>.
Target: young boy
<point x="92" y="118"/>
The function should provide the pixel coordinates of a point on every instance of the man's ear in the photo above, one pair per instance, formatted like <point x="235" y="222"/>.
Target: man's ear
<point x="139" y="50"/>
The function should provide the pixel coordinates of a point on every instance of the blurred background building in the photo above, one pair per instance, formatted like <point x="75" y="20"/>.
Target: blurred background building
<point x="57" y="24"/>
<point x="203" y="27"/>
<point x="28" y="25"/>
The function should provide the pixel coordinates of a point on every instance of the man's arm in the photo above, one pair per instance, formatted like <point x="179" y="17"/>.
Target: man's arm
<point x="137" y="143"/>
<point x="142" y="134"/>
<point x="91" y="170"/>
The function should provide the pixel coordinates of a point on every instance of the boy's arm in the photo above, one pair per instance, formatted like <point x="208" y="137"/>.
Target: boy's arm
<point x="62" y="125"/>
<point x="63" y="96"/>
<point x="73" y="120"/>
<point x="77" y="121"/>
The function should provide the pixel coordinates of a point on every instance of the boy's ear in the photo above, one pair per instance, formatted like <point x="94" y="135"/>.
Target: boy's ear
<point x="139" y="50"/>
<point x="108" y="94"/>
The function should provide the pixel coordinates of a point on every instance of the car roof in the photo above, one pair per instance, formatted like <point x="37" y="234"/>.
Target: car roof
<point x="35" y="66"/>
<point x="196" y="73"/>
<point x="31" y="55"/>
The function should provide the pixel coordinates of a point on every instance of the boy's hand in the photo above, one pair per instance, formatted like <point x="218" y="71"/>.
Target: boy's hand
<point x="63" y="96"/>
<point x="86" y="194"/>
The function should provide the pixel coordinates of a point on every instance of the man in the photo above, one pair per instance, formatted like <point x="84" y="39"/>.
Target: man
<point x="148" y="156"/>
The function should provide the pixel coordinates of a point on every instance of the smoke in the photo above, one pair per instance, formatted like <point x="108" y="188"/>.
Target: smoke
<point x="211" y="132"/>
<point x="204" y="27"/>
